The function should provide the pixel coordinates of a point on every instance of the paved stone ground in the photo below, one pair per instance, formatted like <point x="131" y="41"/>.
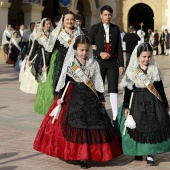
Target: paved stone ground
<point x="19" y="125"/>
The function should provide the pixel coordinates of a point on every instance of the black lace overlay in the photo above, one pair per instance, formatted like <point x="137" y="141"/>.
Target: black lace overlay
<point x="86" y="110"/>
<point x="37" y="64"/>
<point x="152" y="120"/>
<point x="84" y="120"/>
<point x="59" y="60"/>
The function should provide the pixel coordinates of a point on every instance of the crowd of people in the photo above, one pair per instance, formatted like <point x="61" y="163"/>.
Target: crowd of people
<point x="133" y="37"/>
<point x="66" y="68"/>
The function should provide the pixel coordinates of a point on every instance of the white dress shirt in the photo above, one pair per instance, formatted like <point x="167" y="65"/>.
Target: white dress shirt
<point x="21" y="32"/>
<point x="106" y="28"/>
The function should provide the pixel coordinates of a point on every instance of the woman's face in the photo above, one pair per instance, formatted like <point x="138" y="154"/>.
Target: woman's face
<point x="32" y="27"/>
<point x="38" y="27"/>
<point x="15" y="35"/>
<point x="144" y="58"/>
<point x="82" y="50"/>
<point x="69" y="21"/>
<point x="9" y="27"/>
<point x="47" y="25"/>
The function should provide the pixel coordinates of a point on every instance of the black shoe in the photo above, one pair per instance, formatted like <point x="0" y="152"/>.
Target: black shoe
<point x="150" y="160"/>
<point x="139" y="158"/>
<point x="84" y="164"/>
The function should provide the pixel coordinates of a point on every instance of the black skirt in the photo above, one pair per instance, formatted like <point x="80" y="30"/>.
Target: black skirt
<point x="84" y="115"/>
<point x="152" y="119"/>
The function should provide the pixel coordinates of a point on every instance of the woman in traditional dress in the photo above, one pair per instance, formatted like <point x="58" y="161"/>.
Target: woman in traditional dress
<point x="39" y="46"/>
<point x="14" y="47"/>
<point x="146" y="102"/>
<point x="6" y="37"/>
<point x="83" y="130"/>
<point x="57" y="47"/>
<point x="28" y="82"/>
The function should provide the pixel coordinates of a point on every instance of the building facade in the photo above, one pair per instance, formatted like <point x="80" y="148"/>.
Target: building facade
<point x="153" y="13"/>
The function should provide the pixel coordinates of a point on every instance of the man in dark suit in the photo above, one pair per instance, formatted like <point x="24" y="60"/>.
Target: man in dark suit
<point x="106" y="38"/>
<point x="21" y="34"/>
<point x="156" y="36"/>
<point x="131" y="41"/>
<point x="162" y="41"/>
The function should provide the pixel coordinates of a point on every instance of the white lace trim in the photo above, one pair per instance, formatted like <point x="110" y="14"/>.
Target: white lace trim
<point x="42" y="39"/>
<point x="130" y="75"/>
<point x="92" y="71"/>
<point x="65" y="38"/>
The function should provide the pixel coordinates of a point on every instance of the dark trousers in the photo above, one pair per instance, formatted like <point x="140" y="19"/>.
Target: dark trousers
<point x="128" y="55"/>
<point x="110" y="69"/>
<point x="162" y="48"/>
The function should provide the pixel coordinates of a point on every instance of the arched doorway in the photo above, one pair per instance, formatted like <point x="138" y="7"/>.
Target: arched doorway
<point x="83" y="7"/>
<point x="15" y="14"/>
<point x="51" y="9"/>
<point x="141" y="13"/>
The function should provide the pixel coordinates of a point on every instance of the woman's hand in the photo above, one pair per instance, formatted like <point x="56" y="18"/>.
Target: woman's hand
<point x="127" y="112"/>
<point x="59" y="101"/>
<point x="103" y="103"/>
<point x="26" y="57"/>
<point x="94" y="47"/>
<point x="29" y="63"/>
<point x="44" y="69"/>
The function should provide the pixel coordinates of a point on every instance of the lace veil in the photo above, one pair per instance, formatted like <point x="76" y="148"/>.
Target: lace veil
<point x="41" y="25"/>
<point x="130" y="74"/>
<point x="6" y="33"/>
<point x="54" y="35"/>
<point x="34" y="34"/>
<point x="90" y="63"/>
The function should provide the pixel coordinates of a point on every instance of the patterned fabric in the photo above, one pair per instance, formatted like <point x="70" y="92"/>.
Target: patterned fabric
<point x="51" y="140"/>
<point x="28" y="83"/>
<point x="132" y="147"/>
<point x="152" y="120"/>
<point x="86" y="111"/>
<point x="45" y="93"/>
<point x="129" y="79"/>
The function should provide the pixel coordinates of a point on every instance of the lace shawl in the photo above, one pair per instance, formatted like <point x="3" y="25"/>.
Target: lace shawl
<point x="130" y="74"/>
<point x="92" y="71"/>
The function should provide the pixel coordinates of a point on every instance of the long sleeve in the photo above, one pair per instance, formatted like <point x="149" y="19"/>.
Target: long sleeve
<point x="92" y="39"/>
<point x="48" y="58"/>
<point x="101" y="97"/>
<point x="66" y="81"/>
<point x="29" y="47"/>
<point x="120" y="51"/>
<point x="127" y="96"/>
<point x="49" y="54"/>
<point x="160" y="88"/>
<point x="35" y="47"/>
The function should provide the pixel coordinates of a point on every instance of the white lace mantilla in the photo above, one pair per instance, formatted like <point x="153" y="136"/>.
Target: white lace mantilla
<point x="42" y="39"/>
<point x="63" y="37"/>
<point x="92" y="71"/>
<point x="66" y="38"/>
<point x="130" y="78"/>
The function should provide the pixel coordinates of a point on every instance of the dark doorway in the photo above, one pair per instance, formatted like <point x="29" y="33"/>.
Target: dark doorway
<point x="51" y="9"/>
<point x="141" y="13"/>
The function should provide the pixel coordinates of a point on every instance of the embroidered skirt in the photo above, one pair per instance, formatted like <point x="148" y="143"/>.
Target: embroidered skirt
<point x="70" y="143"/>
<point x="152" y="132"/>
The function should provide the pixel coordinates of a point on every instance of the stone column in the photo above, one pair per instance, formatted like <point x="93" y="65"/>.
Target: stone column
<point x="4" y="6"/>
<point x="32" y="12"/>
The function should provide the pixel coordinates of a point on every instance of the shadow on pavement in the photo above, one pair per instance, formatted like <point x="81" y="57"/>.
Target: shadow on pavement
<point x="8" y="168"/>
<point x="3" y="107"/>
<point x="21" y="158"/>
<point x="8" y="155"/>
